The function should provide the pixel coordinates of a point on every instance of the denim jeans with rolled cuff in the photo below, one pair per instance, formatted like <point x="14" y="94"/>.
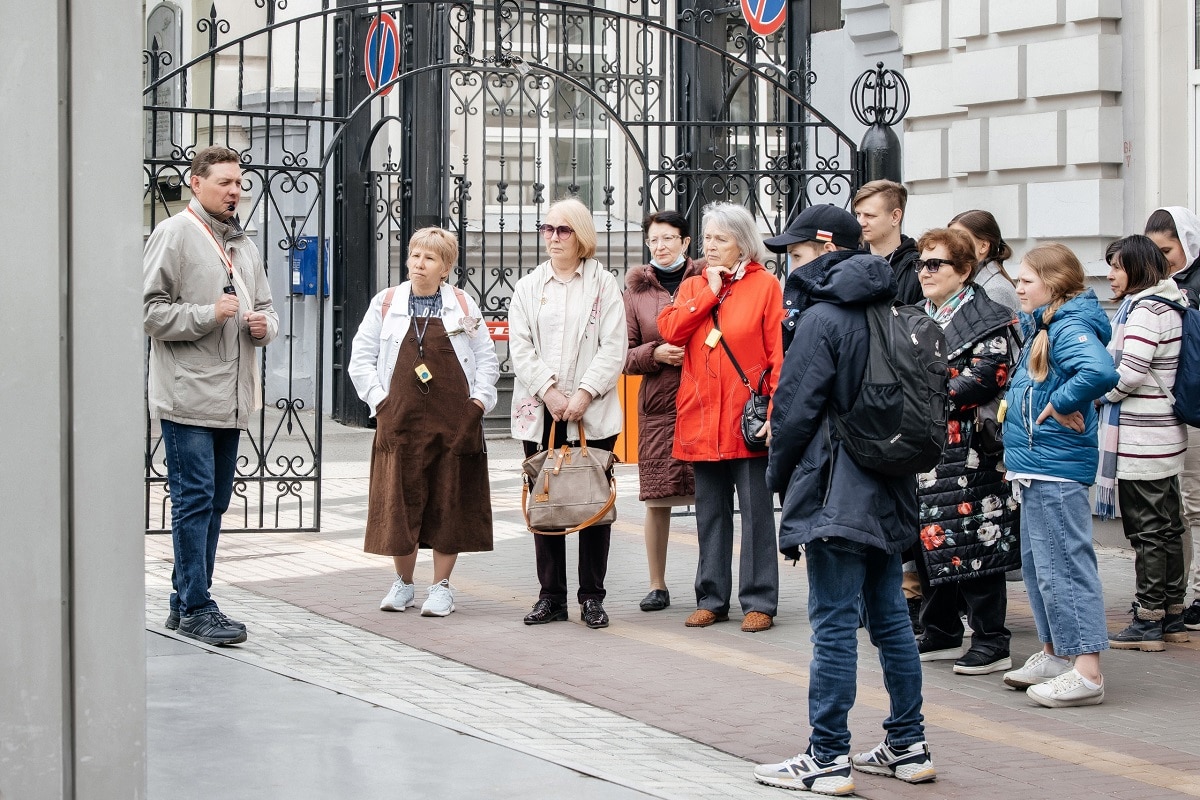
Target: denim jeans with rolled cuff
<point x="840" y="572"/>
<point x="1059" y="566"/>
<point x="200" y="470"/>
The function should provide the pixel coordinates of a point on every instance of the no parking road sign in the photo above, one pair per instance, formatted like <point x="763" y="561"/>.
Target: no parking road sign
<point x="381" y="55"/>
<point x="764" y="16"/>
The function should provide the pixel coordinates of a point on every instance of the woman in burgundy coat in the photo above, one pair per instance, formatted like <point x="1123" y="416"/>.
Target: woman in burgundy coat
<point x="665" y="481"/>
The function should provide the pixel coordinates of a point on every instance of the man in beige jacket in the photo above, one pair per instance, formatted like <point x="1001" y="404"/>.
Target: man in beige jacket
<point x="206" y="307"/>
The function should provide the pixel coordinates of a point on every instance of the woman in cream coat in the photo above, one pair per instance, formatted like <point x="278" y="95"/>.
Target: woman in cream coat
<point x="567" y="340"/>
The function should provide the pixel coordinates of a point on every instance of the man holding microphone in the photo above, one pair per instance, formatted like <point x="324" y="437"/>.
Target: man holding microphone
<point x="206" y="308"/>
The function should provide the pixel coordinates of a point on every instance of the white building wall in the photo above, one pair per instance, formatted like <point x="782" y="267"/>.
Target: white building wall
<point x="1016" y="110"/>
<point x="1069" y="120"/>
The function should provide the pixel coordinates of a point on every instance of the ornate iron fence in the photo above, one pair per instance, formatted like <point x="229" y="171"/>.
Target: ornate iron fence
<point x="473" y="116"/>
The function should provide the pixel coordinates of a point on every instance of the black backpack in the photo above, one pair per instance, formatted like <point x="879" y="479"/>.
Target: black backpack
<point x="897" y="426"/>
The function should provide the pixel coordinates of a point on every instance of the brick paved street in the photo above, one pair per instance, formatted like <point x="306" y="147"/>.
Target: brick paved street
<point x="654" y="706"/>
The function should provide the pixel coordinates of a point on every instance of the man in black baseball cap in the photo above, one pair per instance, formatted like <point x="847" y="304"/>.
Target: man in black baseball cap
<point x="824" y="228"/>
<point x="815" y="232"/>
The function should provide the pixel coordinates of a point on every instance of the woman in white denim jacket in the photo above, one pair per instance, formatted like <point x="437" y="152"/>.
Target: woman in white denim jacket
<point x="567" y="340"/>
<point x="423" y="361"/>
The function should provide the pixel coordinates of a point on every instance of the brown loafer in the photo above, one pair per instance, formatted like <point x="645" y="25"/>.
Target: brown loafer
<point x="757" y="622"/>
<point x="702" y="618"/>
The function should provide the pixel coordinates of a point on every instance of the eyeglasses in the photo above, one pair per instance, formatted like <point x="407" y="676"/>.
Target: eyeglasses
<point x="563" y="231"/>
<point x="653" y="243"/>
<point x="931" y="264"/>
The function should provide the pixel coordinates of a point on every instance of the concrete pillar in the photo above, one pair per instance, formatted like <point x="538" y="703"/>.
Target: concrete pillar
<point x="72" y="648"/>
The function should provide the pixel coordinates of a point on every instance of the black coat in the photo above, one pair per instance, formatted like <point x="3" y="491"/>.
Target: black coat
<point x="908" y="286"/>
<point x="825" y="493"/>
<point x="969" y="519"/>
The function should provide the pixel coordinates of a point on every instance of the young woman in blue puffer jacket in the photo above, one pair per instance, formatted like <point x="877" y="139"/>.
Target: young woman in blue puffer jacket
<point x="1051" y="453"/>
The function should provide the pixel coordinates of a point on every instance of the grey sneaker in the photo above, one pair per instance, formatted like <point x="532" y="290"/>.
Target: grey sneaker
<point x="1065" y="691"/>
<point x="210" y="627"/>
<point x="805" y="773"/>
<point x="440" y="600"/>
<point x="910" y="764"/>
<point x="172" y="622"/>
<point x="401" y="596"/>
<point x="1038" y="668"/>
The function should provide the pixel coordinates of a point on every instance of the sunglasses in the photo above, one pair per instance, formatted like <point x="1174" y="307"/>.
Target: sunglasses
<point x="931" y="264"/>
<point x="563" y="231"/>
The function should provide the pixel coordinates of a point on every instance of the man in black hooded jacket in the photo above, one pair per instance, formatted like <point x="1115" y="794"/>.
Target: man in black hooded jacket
<point x="852" y="523"/>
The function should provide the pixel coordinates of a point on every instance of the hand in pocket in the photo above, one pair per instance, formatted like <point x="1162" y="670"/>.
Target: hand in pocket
<point x="468" y="440"/>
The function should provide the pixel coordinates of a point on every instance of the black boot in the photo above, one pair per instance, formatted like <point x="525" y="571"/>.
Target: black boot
<point x="1173" y="629"/>
<point x="1145" y="633"/>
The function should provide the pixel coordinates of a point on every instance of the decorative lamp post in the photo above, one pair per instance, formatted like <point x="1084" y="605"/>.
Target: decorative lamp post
<point x="879" y="100"/>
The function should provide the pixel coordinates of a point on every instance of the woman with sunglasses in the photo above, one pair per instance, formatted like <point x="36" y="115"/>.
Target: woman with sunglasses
<point x="968" y="517"/>
<point x="664" y="481"/>
<point x="567" y="342"/>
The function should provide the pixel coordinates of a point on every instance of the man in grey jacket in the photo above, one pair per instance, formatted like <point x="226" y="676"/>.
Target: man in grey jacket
<point x="206" y="308"/>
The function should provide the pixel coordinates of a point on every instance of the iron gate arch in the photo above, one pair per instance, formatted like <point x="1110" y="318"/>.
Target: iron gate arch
<point x="565" y="99"/>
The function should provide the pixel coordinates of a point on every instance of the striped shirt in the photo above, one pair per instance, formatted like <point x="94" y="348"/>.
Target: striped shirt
<point x="1152" y="442"/>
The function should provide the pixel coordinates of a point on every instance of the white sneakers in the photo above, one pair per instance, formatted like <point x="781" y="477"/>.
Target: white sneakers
<point x="910" y="764"/>
<point x="439" y="601"/>
<point x="401" y="596"/>
<point x="1038" y="668"/>
<point x="1065" y="691"/>
<point x="1053" y="683"/>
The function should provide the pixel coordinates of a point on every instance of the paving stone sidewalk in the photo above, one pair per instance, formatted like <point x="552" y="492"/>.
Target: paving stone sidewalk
<point x="651" y="705"/>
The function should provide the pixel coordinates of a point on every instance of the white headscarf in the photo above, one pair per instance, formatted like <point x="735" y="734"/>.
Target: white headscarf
<point x="1187" y="226"/>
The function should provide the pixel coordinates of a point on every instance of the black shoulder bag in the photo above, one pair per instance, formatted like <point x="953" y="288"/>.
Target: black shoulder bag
<point x="754" y="413"/>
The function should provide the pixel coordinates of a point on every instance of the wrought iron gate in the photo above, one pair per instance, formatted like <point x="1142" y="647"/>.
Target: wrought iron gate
<point x="360" y="122"/>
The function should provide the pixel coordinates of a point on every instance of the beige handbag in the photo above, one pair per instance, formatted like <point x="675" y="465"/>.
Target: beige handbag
<point x="568" y="489"/>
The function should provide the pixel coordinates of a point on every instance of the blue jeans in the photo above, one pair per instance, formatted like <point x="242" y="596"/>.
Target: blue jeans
<point x="200" y="469"/>
<point x="1059" y="566"/>
<point x="840" y="572"/>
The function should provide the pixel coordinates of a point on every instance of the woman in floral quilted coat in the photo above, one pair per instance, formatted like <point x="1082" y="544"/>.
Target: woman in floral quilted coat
<point x="968" y="518"/>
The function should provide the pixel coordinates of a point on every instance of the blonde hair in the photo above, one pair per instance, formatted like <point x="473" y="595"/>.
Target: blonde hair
<point x="1062" y="273"/>
<point x="580" y="219"/>
<point x="441" y="242"/>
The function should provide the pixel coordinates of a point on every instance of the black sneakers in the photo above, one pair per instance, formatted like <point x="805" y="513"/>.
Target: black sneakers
<point x="211" y="627"/>
<point x="1191" y="616"/>
<point x="172" y="622"/>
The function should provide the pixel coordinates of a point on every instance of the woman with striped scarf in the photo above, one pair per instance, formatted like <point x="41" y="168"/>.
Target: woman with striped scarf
<point x="1142" y="444"/>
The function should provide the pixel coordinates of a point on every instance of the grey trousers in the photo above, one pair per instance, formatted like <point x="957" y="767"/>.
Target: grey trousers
<point x="758" y="568"/>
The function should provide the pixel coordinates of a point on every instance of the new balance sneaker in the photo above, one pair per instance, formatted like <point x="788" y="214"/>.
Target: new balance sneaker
<point x="1065" y="691"/>
<point x="805" y="773"/>
<point x="440" y="601"/>
<point x="1191" y="616"/>
<point x="401" y="596"/>
<point x="211" y="627"/>
<point x="1038" y="668"/>
<point x="910" y="764"/>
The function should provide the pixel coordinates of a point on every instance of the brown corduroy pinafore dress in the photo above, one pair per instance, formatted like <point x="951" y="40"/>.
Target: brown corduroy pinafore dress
<point x="429" y="476"/>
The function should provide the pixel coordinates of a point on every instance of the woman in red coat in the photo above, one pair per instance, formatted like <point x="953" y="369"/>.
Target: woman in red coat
<point x="748" y="302"/>
<point x="665" y="481"/>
